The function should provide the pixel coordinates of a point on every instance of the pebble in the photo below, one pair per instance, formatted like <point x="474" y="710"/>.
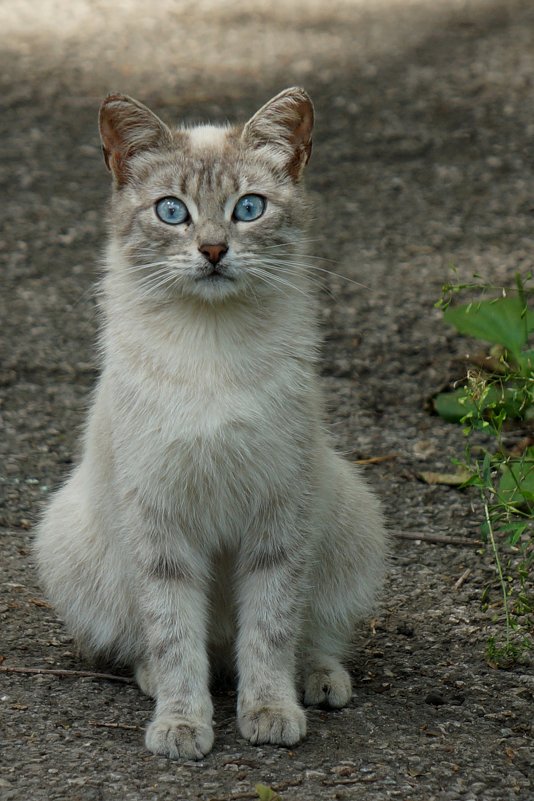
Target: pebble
<point x="314" y="774"/>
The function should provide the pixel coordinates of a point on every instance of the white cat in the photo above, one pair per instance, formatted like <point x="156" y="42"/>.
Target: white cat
<point x="209" y="518"/>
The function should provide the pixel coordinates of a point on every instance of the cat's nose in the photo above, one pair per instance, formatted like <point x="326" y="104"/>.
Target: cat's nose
<point x="214" y="253"/>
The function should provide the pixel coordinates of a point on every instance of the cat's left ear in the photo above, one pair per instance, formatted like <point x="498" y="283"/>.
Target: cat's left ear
<point x="282" y="130"/>
<point x="127" y="127"/>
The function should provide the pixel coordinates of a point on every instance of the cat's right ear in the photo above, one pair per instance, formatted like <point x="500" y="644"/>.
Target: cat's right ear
<point x="127" y="128"/>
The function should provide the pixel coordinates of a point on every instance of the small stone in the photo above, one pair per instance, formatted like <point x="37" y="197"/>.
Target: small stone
<point x="405" y="629"/>
<point x="343" y="770"/>
<point x="435" y="699"/>
<point x="315" y="774"/>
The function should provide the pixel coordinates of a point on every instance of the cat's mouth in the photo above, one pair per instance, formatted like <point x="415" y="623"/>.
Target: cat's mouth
<point x="214" y="275"/>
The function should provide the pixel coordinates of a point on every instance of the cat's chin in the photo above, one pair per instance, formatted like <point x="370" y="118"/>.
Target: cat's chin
<point x="215" y="288"/>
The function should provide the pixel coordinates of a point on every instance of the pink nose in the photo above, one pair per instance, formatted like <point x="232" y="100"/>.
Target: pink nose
<point x="213" y="253"/>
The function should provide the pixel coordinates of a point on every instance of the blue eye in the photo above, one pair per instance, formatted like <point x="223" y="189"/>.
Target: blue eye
<point x="249" y="207"/>
<point x="172" y="211"/>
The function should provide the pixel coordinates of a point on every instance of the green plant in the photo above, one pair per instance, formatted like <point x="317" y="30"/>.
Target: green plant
<point x="265" y="793"/>
<point x="498" y="394"/>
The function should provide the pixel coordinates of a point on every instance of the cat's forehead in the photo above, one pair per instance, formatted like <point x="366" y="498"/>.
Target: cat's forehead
<point x="206" y="161"/>
<point x="207" y="139"/>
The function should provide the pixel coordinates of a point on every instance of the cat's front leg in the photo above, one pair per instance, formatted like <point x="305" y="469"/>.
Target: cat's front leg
<point x="174" y="608"/>
<point x="270" y="600"/>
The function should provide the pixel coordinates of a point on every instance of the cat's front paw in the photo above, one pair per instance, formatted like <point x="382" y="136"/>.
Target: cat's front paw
<point x="278" y="725"/>
<point x="179" y="738"/>
<point x="328" y="688"/>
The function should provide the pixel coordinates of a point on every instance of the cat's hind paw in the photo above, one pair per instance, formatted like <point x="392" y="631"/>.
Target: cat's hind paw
<point x="179" y="738"/>
<point x="331" y="688"/>
<point x="273" y="724"/>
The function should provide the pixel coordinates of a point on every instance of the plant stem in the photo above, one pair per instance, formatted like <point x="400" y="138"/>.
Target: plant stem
<point x="491" y="535"/>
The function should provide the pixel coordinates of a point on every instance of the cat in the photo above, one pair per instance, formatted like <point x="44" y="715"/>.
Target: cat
<point x="209" y="518"/>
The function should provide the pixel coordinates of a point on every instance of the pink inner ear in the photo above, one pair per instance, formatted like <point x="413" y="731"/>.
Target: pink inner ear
<point x="300" y="138"/>
<point x="113" y="148"/>
<point x="110" y="137"/>
<point x="113" y="111"/>
<point x="302" y="132"/>
<point x="112" y="142"/>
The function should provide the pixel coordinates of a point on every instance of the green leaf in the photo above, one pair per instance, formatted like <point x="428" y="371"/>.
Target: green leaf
<point x="497" y="400"/>
<point x="516" y="486"/>
<point x="266" y="794"/>
<point x="526" y="361"/>
<point x="514" y="532"/>
<point x="504" y="321"/>
<point x="453" y="406"/>
<point x="485" y="469"/>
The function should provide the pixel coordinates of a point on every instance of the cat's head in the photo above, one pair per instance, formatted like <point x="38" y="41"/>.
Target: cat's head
<point x="211" y="212"/>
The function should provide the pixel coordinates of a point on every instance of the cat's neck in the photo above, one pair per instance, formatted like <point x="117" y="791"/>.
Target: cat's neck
<point x="191" y="335"/>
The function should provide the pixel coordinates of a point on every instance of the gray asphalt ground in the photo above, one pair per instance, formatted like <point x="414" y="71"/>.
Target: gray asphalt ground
<point x="422" y="161"/>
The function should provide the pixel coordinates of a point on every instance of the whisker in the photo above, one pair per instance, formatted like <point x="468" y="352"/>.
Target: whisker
<point x="303" y="241"/>
<point x="153" y="286"/>
<point x="264" y="277"/>
<point x="306" y="255"/>
<point x="133" y="268"/>
<point x="278" y="279"/>
<point x="153" y="277"/>
<point x="318" y="282"/>
<point x="303" y="266"/>
<point x="270" y="279"/>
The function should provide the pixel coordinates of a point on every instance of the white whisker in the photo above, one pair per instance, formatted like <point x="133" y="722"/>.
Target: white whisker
<point x="152" y="286"/>
<point x="281" y="264"/>
<point x="291" y="253"/>
<point x="277" y="279"/>
<point x="302" y="241"/>
<point x="264" y="278"/>
<point x="317" y="282"/>
<point x="136" y="268"/>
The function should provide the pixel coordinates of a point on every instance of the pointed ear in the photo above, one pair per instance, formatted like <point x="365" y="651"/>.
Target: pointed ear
<point x="127" y="128"/>
<point x="282" y="129"/>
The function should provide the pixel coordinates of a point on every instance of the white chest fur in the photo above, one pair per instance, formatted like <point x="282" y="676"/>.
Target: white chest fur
<point x="208" y="423"/>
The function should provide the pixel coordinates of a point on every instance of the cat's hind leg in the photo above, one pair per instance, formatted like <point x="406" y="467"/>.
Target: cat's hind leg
<point x="82" y="570"/>
<point x="347" y="573"/>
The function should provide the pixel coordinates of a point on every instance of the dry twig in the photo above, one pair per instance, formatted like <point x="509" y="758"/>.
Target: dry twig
<point x="463" y="578"/>
<point x="86" y="674"/>
<point x="102" y="725"/>
<point x="438" y="538"/>
<point x="388" y="457"/>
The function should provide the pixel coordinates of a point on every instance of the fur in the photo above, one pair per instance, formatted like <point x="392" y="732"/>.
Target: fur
<point x="209" y="515"/>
